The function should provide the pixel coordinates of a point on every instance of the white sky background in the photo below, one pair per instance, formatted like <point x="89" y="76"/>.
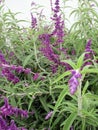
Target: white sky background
<point x="24" y="6"/>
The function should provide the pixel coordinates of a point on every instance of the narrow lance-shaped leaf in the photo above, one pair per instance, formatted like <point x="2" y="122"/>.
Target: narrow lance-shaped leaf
<point x="80" y="61"/>
<point x="68" y="122"/>
<point x="27" y="60"/>
<point x="58" y="103"/>
<point x="71" y="63"/>
<point x="61" y="76"/>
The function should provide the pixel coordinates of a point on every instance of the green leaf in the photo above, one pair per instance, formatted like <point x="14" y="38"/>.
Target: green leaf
<point x="72" y="64"/>
<point x="80" y="61"/>
<point x="68" y="122"/>
<point x="56" y="121"/>
<point x="9" y="89"/>
<point x="13" y="102"/>
<point x="27" y="60"/>
<point x="85" y="87"/>
<point x="44" y="104"/>
<point x="91" y="117"/>
<point x="94" y="70"/>
<point x="30" y="104"/>
<point x="91" y="96"/>
<point x="61" y="76"/>
<point x="63" y="93"/>
<point x="31" y="90"/>
<point x="74" y="12"/>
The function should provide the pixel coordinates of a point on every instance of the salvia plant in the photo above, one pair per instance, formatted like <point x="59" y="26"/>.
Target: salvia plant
<point x="48" y="72"/>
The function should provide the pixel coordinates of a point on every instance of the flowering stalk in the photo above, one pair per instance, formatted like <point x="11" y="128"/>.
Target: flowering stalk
<point x="74" y="81"/>
<point x="7" y="110"/>
<point x="75" y="85"/>
<point x="33" y="21"/>
<point x="7" y="70"/>
<point x="89" y="53"/>
<point x="58" y="34"/>
<point x="59" y="24"/>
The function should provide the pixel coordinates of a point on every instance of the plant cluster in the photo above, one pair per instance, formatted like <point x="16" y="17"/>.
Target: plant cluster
<point x="48" y="73"/>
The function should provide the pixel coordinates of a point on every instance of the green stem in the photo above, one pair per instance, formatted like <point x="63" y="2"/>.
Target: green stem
<point x="79" y="100"/>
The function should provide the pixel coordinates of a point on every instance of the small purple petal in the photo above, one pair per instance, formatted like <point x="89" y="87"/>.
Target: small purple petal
<point x="48" y="115"/>
<point x="74" y="81"/>
<point x="36" y="76"/>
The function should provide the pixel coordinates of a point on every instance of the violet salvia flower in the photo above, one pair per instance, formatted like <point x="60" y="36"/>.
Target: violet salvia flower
<point x="48" y="115"/>
<point x="6" y="125"/>
<point x="48" y="52"/>
<point x="89" y="53"/>
<point x="33" y="21"/>
<point x="27" y="71"/>
<point x="47" y="49"/>
<point x="18" y="69"/>
<point x="12" y="126"/>
<point x="88" y="46"/>
<point x="3" y="124"/>
<point x="8" y="110"/>
<point x="45" y="38"/>
<point x="36" y="76"/>
<point x="2" y="58"/>
<point x="58" y="34"/>
<point x="57" y="7"/>
<point x="7" y="71"/>
<point x="22" y="113"/>
<point x="9" y="75"/>
<point x="74" y="81"/>
<point x="54" y="68"/>
<point x="59" y="24"/>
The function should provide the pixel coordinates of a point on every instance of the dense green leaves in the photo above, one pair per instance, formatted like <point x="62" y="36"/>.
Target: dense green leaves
<point x="46" y="88"/>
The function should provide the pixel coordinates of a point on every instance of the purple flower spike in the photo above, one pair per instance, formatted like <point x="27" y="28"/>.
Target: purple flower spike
<point x="73" y="82"/>
<point x="12" y="126"/>
<point x="48" y="115"/>
<point x="33" y="21"/>
<point x="3" y="124"/>
<point x="36" y="76"/>
<point x="54" y="68"/>
<point x="88" y="46"/>
<point x="89" y="53"/>
<point x="2" y="58"/>
<point x="59" y="24"/>
<point x="8" y="110"/>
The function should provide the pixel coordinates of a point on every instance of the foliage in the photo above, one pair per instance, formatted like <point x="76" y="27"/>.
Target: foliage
<point x="48" y="73"/>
